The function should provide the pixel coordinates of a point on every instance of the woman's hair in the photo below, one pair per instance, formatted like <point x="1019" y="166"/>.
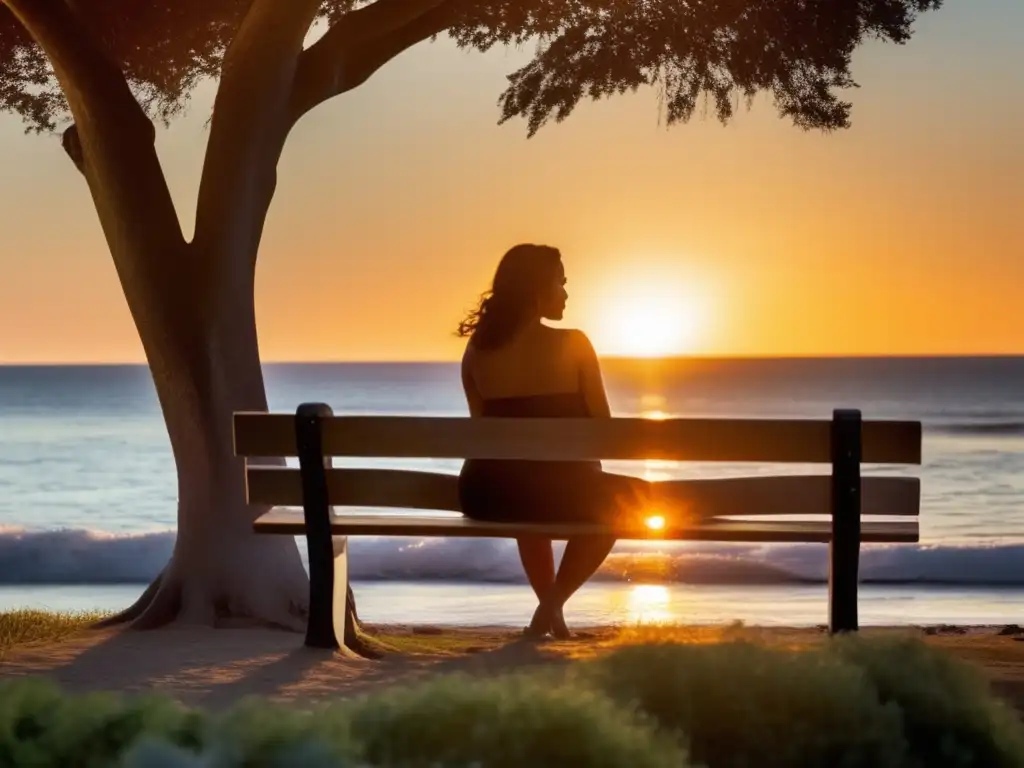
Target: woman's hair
<point x="518" y="281"/>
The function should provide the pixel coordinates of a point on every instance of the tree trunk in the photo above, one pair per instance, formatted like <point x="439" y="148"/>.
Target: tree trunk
<point x="193" y="304"/>
<point x="199" y="333"/>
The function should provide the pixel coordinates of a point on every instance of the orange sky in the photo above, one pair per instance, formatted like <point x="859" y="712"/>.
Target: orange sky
<point x="903" y="235"/>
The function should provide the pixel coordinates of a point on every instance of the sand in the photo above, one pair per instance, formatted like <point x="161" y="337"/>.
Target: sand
<point x="214" y="668"/>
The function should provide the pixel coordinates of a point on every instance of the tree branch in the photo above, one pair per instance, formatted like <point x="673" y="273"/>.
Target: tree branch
<point x="250" y="122"/>
<point x="112" y="139"/>
<point x="360" y="44"/>
<point x="374" y="21"/>
<point x="91" y="82"/>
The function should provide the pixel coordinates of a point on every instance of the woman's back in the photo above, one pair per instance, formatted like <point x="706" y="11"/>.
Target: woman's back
<point x="542" y="372"/>
<point x="539" y="374"/>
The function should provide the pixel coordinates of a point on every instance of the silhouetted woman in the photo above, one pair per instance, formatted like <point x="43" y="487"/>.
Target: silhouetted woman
<point x="515" y="366"/>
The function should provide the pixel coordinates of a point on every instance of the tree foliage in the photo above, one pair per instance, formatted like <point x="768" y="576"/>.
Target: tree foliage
<point x="718" y="51"/>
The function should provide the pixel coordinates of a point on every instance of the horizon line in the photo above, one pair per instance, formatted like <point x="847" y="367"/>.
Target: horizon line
<point x="610" y="358"/>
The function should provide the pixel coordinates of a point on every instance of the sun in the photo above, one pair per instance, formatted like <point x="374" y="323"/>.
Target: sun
<point x="652" y="320"/>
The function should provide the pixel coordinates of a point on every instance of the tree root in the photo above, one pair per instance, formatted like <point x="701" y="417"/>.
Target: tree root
<point x="164" y="602"/>
<point x="165" y="605"/>
<point x="136" y="609"/>
<point x="174" y="597"/>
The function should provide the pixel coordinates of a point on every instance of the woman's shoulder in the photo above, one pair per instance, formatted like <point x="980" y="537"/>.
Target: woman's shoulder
<point x="574" y="338"/>
<point x="568" y="335"/>
<point x="542" y="341"/>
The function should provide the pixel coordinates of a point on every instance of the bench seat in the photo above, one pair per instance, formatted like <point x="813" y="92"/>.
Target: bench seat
<point x="292" y="521"/>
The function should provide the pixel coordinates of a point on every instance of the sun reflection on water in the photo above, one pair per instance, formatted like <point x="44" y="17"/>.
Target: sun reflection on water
<point x="649" y="603"/>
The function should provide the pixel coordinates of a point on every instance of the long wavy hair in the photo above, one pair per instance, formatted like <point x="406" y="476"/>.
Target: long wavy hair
<point x="523" y="273"/>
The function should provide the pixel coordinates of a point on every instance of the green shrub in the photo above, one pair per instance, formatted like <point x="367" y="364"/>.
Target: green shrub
<point x="950" y="717"/>
<point x="449" y="722"/>
<point x="855" y="702"/>
<point x="154" y="754"/>
<point x="525" y="720"/>
<point x="255" y="728"/>
<point x="737" y="704"/>
<point x="40" y="727"/>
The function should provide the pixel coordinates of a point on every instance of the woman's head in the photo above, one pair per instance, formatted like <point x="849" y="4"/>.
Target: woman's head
<point x="528" y="285"/>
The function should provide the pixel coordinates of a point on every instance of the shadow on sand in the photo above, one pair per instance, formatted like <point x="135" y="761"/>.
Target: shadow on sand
<point x="214" y="668"/>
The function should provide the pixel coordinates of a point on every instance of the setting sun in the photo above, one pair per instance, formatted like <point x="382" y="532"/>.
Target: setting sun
<point x="652" y="319"/>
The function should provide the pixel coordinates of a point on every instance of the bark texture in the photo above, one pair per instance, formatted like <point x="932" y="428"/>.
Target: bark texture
<point x="203" y="372"/>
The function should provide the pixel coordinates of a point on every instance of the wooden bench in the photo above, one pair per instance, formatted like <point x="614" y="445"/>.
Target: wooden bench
<point x="849" y="504"/>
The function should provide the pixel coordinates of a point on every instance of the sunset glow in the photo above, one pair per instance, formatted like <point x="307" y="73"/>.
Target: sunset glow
<point x="652" y="319"/>
<point x="751" y="239"/>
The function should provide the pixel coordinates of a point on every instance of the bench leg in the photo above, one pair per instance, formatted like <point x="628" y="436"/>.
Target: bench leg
<point x="328" y="559"/>
<point x="844" y="549"/>
<point x="328" y="585"/>
<point x="328" y="625"/>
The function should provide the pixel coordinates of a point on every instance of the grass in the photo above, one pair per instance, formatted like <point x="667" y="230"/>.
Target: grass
<point x="24" y="627"/>
<point x="430" y="642"/>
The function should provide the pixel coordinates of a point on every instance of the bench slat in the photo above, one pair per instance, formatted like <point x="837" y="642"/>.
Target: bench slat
<point x="709" y="497"/>
<point x="739" y="440"/>
<point x="285" y="521"/>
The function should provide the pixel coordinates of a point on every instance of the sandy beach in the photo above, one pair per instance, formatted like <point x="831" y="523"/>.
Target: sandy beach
<point x="214" y="668"/>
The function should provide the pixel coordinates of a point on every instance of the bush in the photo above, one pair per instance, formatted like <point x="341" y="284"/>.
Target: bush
<point x="854" y="702"/>
<point x="154" y="754"/>
<point x="738" y="704"/>
<point x="449" y="722"/>
<point x="950" y="718"/>
<point x="515" y="721"/>
<point x="40" y="727"/>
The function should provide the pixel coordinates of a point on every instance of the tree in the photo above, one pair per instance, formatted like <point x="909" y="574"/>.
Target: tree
<point x="105" y="72"/>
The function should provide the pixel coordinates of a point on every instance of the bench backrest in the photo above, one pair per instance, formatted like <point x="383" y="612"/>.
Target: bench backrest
<point x="844" y="442"/>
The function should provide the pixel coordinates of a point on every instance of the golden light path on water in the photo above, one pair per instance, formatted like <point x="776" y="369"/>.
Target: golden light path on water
<point x="649" y="604"/>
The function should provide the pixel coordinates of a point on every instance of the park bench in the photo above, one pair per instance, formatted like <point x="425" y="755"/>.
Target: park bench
<point x="850" y="509"/>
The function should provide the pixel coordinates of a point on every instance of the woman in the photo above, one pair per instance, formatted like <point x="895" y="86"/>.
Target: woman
<point x="515" y="366"/>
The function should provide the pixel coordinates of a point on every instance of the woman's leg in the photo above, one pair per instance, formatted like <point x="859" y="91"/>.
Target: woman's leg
<point x="479" y="489"/>
<point x="583" y="556"/>
<point x="538" y="559"/>
<point x="619" y="495"/>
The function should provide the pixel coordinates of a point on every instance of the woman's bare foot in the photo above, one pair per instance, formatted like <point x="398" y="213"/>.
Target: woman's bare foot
<point x="540" y="624"/>
<point x="559" y="629"/>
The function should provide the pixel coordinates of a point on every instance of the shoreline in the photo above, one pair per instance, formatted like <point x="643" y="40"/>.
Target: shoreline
<point x="604" y="604"/>
<point x="216" y="668"/>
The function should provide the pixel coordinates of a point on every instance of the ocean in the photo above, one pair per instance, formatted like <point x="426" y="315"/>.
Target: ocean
<point x="87" y="494"/>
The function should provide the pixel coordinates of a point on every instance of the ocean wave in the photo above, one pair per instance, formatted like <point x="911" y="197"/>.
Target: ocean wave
<point x="75" y="556"/>
<point x="1009" y="428"/>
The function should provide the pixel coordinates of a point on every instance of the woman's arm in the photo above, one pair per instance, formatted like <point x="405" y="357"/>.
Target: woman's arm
<point x="591" y="381"/>
<point x="473" y="398"/>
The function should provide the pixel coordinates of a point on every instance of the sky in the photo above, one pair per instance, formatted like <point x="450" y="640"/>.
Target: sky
<point x="901" y="235"/>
